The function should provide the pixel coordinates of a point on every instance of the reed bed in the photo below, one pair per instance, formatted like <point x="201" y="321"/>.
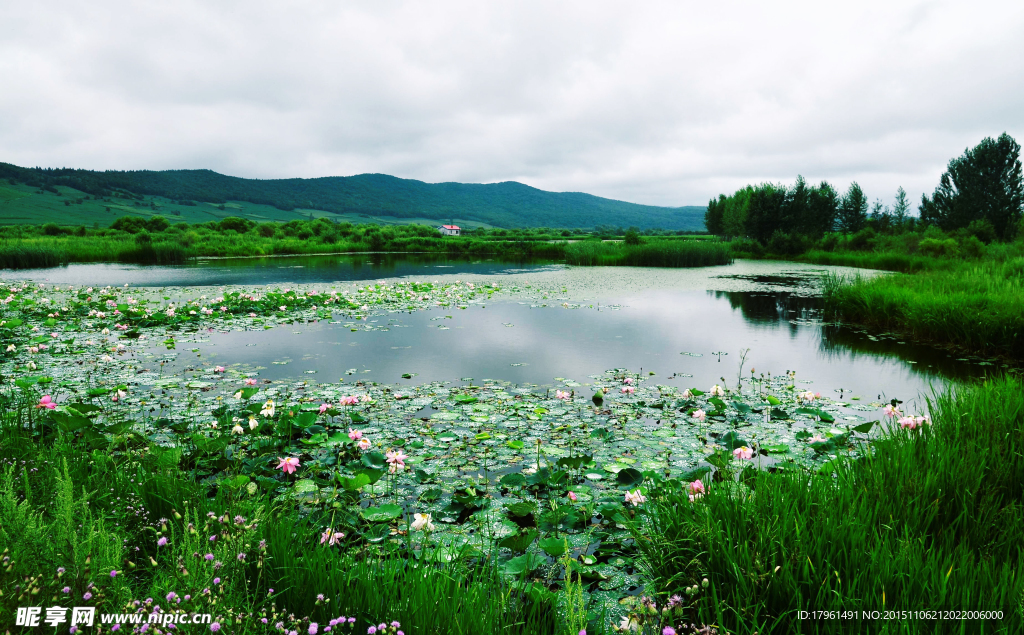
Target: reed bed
<point x="977" y="307"/>
<point x="656" y="253"/>
<point x="932" y="520"/>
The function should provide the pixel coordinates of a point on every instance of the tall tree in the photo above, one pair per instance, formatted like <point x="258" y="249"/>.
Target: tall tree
<point x="901" y="208"/>
<point x="982" y="184"/>
<point x="714" y="217"/>
<point x="796" y="215"/>
<point x="766" y="211"/>
<point x="823" y="204"/>
<point x="735" y="216"/>
<point x="853" y="211"/>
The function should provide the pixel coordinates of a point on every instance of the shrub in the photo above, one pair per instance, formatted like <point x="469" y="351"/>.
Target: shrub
<point x="157" y="224"/>
<point x="234" y="223"/>
<point x="51" y="229"/>
<point x="937" y="247"/>
<point x="862" y="240"/>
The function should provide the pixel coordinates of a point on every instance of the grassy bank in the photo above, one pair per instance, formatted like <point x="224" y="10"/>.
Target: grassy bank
<point x="69" y="517"/>
<point x="932" y="519"/>
<point x="976" y="307"/>
<point x="655" y="253"/>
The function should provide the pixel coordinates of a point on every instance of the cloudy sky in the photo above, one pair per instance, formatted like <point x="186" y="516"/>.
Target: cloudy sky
<point x="665" y="103"/>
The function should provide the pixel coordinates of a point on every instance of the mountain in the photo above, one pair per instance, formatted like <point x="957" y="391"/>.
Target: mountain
<point x="508" y="204"/>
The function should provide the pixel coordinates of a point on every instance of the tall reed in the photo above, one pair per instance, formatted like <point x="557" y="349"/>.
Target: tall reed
<point x="930" y="520"/>
<point x="656" y="253"/>
<point x="975" y="307"/>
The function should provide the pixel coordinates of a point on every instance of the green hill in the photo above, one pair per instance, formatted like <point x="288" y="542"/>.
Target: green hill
<point x="65" y="196"/>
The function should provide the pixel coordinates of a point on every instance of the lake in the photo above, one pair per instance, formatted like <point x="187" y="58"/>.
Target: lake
<point x="690" y="327"/>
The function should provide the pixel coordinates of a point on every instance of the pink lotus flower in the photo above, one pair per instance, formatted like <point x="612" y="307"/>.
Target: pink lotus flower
<point x="219" y="369"/>
<point x="628" y="381"/>
<point x="366" y="399"/>
<point x="717" y="391"/>
<point x="324" y="407"/>
<point x="364" y="444"/>
<point x="331" y="537"/>
<point x="697" y="487"/>
<point x="743" y="453"/>
<point x="687" y="394"/>
<point x="699" y="415"/>
<point x="350" y="400"/>
<point x="891" y="411"/>
<point x="396" y="458"/>
<point x="354" y="434"/>
<point x="635" y="498"/>
<point x="250" y="381"/>
<point x="288" y="465"/>
<point x="629" y="390"/>
<point x="47" y="402"/>
<point x="817" y="439"/>
<point x="561" y="394"/>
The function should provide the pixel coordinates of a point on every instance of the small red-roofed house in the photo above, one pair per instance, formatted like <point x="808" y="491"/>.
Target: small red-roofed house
<point x="449" y="230"/>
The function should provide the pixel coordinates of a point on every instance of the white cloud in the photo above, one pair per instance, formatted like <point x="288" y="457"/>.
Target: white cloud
<point x="665" y="103"/>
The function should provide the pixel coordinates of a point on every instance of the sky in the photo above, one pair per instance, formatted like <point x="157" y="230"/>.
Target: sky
<point x="662" y="103"/>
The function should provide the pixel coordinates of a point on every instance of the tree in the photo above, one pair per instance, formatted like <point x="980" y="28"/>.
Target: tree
<point x="900" y="208"/>
<point x="982" y="184"/>
<point x="766" y="211"/>
<point x="797" y="209"/>
<point x="822" y="206"/>
<point x="714" y="216"/>
<point x="853" y="211"/>
<point x="880" y="215"/>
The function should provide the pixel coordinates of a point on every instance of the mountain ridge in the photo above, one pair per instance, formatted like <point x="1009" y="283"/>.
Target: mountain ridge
<point x="502" y="204"/>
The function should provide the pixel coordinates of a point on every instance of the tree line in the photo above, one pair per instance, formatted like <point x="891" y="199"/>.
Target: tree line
<point x="982" y="187"/>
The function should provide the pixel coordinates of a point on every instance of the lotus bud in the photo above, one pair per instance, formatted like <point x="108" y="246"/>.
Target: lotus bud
<point x="704" y="583"/>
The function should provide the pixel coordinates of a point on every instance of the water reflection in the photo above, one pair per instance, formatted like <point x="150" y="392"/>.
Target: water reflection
<point x="271" y="270"/>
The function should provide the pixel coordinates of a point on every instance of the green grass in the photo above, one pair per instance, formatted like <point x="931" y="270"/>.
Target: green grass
<point x="887" y="261"/>
<point x="62" y="506"/>
<point x="931" y="520"/>
<point x="976" y="306"/>
<point x="655" y="253"/>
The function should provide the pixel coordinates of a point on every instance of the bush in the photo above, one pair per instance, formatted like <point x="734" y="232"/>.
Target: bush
<point x="157" y="224"/>
<point x="971" y="247"/>
<point x="937" y="247"/>
<point x="130" y="224"/>
<point x="51" y="229"/>
<point x="862" y="240"/>
<point x="829" y="242"/>
<point x="234" y="223"/>
<point x="632" y="236"/>
<point x="746" y="247"/>
<point x="787" y="244"/>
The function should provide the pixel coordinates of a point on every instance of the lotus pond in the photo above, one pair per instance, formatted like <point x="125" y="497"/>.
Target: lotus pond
<point x="517" y="414"/>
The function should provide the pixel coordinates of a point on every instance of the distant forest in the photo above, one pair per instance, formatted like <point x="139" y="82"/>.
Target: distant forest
<point x="508" y="204"/>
